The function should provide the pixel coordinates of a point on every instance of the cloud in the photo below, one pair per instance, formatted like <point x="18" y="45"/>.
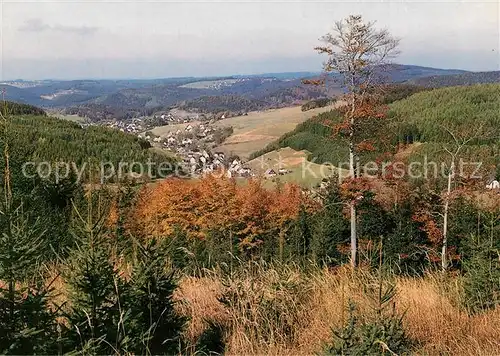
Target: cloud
<point x="37" y="25"/>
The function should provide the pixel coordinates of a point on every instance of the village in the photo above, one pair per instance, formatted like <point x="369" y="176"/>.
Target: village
<point x="195" y="144"/>
<point x="192" y="137"/>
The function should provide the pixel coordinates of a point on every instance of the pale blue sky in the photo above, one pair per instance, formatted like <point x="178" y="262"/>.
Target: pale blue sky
<point x="137" y="39"/>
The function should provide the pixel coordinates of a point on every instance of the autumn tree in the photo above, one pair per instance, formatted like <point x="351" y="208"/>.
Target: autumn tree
<point x="245" y="214"/>
<point x="358" y="52"/>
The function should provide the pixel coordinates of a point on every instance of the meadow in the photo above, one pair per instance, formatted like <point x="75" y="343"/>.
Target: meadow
<point x="301" y="171"/>
<point x="259" y="128"/>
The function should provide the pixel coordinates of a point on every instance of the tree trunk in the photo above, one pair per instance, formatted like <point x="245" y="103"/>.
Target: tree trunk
<point x="354" y="245"/>
<point x="444" y="262"/>
<point x="352" y="173"/>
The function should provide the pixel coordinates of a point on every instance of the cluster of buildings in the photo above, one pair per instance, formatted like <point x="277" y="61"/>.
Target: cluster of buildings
<point x="192" y="137"/>
<point x="133" y="126"/>
<point x="194" y="144"/>
<point x="202" y="162"/>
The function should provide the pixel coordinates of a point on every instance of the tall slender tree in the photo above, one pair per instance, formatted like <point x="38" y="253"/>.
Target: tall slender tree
<point x="460" y="140"/>
<point x="358" y="52"/>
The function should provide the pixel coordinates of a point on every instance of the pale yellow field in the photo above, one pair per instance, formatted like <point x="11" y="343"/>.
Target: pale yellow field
<point x="257" y="129"/>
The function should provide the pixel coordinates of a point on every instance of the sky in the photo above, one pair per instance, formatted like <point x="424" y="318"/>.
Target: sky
<point x="155" y="39"/>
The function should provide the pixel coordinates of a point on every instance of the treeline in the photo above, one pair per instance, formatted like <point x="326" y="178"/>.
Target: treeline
<point x="214" y="104"/>
<point x="237" y="104"/>
<point x="95" y="112"/>
<point x="438" y="81"/>
<point x="12" y="108"/>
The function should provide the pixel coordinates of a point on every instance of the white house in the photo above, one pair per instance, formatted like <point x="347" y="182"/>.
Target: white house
<point x="494" y="184"/>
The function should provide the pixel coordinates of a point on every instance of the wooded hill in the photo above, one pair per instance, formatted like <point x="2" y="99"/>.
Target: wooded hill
<point x="12" y="108"/>
<point x="425" y="117"/>
<point x="46" y="139"/>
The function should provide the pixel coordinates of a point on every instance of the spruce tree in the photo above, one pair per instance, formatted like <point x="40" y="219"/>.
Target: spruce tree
<point x="155" y="323"/>
<point x="27" y="325"/>
<point x="95" y="316"/>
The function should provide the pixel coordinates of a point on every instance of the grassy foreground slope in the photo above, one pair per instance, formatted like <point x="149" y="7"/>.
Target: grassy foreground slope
<point x="423" y="117"/>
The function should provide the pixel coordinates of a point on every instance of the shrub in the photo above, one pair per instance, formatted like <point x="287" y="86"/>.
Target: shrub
<point x="373" y="337"/>
<point x="482" y="278"/>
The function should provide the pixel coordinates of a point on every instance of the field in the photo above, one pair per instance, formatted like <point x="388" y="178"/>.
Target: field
<point x="303" y="172"/>
<point x="257" y="129"/>
<point x="73" y="118"/>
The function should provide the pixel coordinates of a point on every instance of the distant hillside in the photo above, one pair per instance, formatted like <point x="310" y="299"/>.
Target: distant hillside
<point x="47" y="139"/>
<point x="402" y="73"/>
<point x="214" y="103"/>
<point x="420" y="117"/>
<point x="468" y="78"/>
<point x="122" y="99"/>
<point x="11" y="108"/>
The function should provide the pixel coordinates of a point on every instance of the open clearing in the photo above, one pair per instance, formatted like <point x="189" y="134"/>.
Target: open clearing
<point x="74" y="118"/>
<point x="259" y="128"/>
<point x="303" y="172"/>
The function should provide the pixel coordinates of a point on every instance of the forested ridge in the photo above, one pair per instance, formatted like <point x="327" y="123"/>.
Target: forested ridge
<point x="425" y="117"/>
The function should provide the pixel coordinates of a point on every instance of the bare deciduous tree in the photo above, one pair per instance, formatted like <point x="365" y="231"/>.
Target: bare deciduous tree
<point x="358" y="52"/>
<point x="460" y="140"/>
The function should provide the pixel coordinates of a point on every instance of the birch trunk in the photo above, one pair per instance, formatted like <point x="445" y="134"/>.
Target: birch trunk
<point x="352" y="173"/>
<point x="444" y="262"/>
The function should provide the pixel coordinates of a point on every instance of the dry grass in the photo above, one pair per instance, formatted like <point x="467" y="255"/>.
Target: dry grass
<point x="283" y="311"/>
<point x="443" y="328"/>
<point x="307" y="306"/>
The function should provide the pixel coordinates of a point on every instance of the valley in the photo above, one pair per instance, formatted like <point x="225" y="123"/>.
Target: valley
<point x="339" y="203"/>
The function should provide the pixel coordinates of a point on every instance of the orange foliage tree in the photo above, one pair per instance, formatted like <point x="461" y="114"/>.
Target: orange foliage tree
<point x="245" y="212"/>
